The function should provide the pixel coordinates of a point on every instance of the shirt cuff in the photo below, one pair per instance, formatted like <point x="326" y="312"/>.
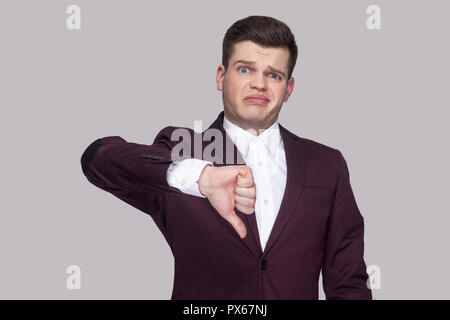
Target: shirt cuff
<point x="184" y="174"/>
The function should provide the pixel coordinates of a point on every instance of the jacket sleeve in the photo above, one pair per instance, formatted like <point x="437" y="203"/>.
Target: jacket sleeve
<point x="134" y="173"/>
<point x="344" y="270"/>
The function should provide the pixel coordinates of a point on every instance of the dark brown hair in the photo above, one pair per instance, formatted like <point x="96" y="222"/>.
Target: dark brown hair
<point x="264" y="31"/>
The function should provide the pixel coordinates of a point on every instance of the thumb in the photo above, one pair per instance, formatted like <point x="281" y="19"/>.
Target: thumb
<point x="237" y="224"/>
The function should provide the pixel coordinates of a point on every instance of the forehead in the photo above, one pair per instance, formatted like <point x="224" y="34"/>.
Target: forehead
<point x="250" y="51"/>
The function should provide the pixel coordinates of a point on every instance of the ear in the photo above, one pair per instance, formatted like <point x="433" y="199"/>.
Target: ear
<point x="289" y="89"/>
<point x="219" y="77"/>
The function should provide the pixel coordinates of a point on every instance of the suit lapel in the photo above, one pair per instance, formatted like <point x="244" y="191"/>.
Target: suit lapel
<point x="251" y="241"/>
<point x="296" y="168"/>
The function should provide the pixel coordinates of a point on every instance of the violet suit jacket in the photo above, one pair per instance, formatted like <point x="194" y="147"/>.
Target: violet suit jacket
<point x="318" y="227"/>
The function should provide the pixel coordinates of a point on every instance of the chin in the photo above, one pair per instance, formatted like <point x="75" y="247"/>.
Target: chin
<point x="252" y="113"/>
<point x="252" y="117"/>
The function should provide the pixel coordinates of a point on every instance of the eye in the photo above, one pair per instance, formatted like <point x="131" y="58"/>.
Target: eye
<point x="243" y="68"/>
<point x="277" y="76"/>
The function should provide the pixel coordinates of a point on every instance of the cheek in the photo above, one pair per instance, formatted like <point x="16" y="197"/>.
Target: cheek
<point x="278" y="92"/>
<point x="234" y="87"/>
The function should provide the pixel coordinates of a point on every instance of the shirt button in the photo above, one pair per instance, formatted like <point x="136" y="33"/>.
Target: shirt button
<point x="183" y="182"/>
<point x="266" y="201"/>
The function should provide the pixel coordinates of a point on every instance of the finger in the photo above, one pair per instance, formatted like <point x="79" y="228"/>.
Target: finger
<point x="244" y="201"/>
<point x="246" y="192"/>
<point x="246" y="172"/>
<point x="237" y="224"/>
<point x="244" y="182"/>
<point x="245" y="209"/>
<point x="249" y="174"/>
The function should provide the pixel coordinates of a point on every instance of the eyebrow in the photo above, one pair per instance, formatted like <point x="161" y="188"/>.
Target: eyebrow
<point x="253" y="63"/>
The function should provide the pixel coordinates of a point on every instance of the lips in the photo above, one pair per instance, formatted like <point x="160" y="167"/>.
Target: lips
<point x="256" y="99"/>
<point x="257" y="96"/>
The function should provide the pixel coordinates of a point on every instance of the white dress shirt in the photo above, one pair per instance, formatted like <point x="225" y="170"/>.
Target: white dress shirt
<point x="264" y="154"/>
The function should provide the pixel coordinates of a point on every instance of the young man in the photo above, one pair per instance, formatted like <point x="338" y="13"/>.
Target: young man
<point x="261" y="228"/>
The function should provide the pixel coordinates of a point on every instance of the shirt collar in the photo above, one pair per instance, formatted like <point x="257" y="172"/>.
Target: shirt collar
<point x="271" y="137"/>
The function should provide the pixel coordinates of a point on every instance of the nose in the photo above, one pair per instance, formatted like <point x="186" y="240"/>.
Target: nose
<point x="259" y="82"/>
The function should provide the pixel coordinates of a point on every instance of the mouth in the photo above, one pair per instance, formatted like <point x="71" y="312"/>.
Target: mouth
<point x="258" y="100"/>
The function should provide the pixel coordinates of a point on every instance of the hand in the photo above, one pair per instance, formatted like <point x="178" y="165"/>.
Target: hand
<point x="229" y="187"/>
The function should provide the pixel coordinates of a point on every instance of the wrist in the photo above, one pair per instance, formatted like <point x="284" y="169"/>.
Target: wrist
<point x="203" y="180"/>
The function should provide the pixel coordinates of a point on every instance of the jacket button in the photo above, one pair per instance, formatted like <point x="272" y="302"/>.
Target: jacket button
<point x="263" y="264"/>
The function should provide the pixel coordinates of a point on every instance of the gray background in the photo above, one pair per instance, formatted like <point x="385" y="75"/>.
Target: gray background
<point x="138" y="66"/>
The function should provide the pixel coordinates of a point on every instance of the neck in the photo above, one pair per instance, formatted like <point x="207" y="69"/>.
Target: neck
<point x="254" y="129"/>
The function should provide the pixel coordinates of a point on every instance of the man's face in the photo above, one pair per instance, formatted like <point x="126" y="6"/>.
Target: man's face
<point x="254" y="70"/>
